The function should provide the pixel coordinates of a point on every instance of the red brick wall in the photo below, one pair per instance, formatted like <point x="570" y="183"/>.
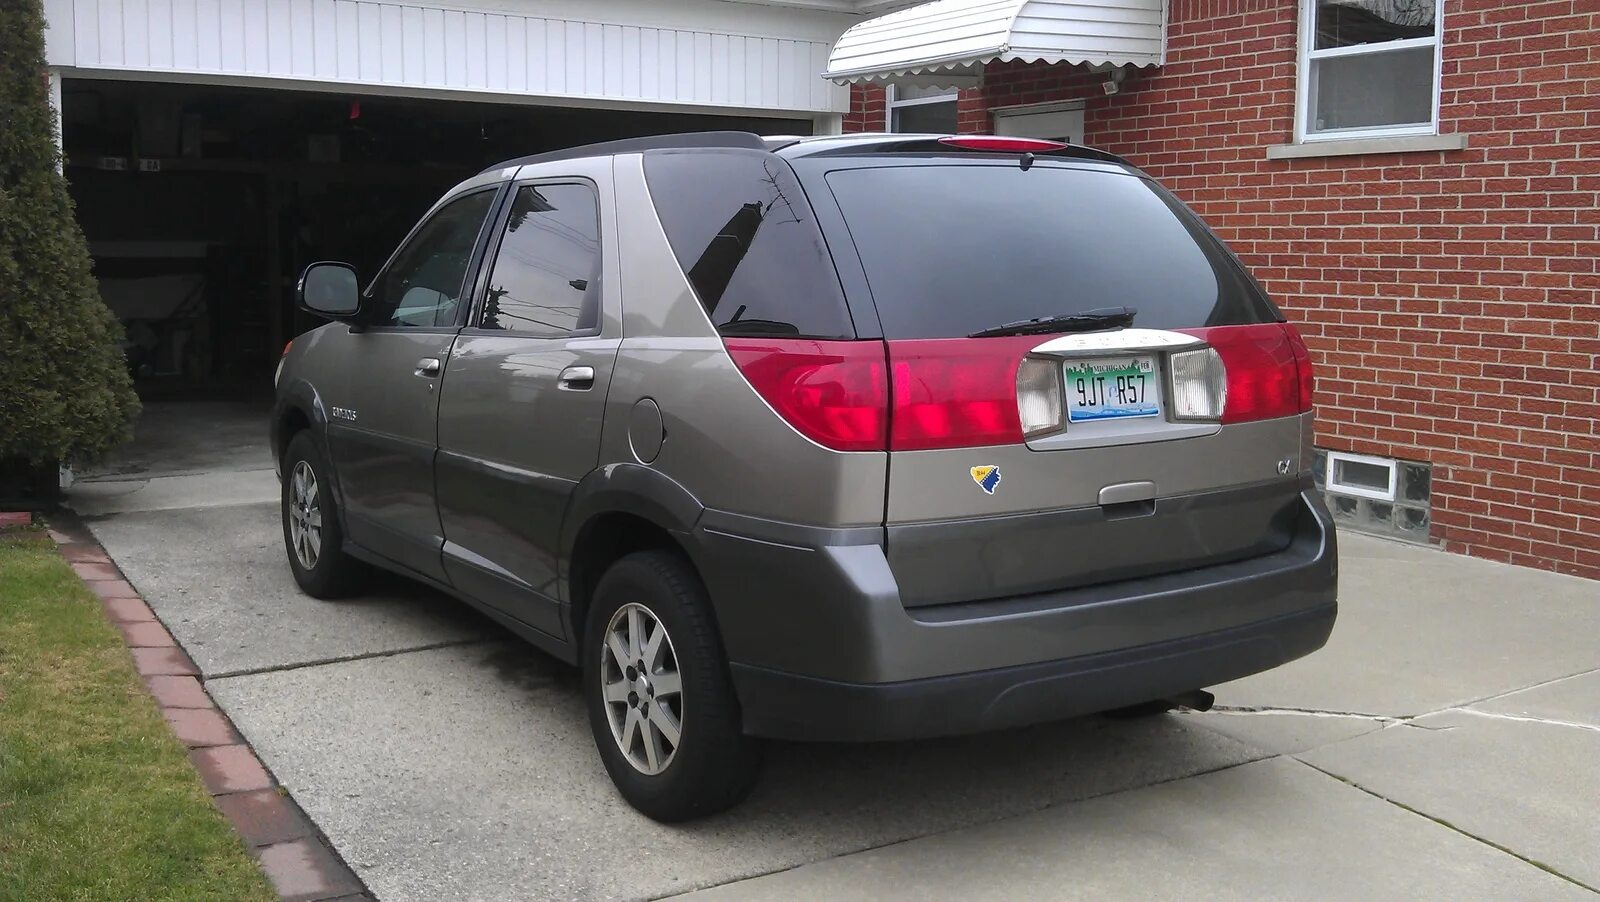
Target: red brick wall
<point x="1467" y="278"/>
<point x="868" y="109"/>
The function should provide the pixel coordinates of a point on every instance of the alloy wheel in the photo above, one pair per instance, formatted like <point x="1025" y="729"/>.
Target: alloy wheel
<point x="305" y="515"/>
<point x="642" y="688"/>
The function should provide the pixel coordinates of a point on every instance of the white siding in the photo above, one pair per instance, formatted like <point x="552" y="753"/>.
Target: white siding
<point x="961" y="34"/>
<point x="414" y="46"/>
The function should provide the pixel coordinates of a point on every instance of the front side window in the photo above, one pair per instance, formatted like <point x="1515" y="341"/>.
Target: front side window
<point x="546" y="276"/>
<point x="423" y="284"/>
<point x="1369" y="67"/>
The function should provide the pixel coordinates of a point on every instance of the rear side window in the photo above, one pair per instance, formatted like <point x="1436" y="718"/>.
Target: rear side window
<point x="950" y="250"/>
<point x="745" y="236"/>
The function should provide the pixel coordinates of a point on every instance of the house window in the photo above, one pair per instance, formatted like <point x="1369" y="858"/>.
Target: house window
<point x="922" y="110"/>
<point x="1369" y="68"/>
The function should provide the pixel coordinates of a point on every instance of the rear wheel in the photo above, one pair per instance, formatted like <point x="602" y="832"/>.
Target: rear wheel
<point x="311" y="533"/>
<point x="661" y="706"/>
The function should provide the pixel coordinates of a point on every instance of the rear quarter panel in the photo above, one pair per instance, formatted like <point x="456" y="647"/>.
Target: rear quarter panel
<point x="723" y="443"/>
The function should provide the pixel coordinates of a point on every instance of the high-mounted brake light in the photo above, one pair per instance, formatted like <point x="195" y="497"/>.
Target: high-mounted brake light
<point x="1003" y="144"/>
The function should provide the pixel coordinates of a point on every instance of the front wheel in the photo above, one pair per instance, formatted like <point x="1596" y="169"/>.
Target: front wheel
<point x="311" y="533"/>
<point x="661" y="706"/>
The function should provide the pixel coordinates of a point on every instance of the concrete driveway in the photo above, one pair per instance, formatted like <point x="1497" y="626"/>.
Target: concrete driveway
<point x="1445" y="743"/>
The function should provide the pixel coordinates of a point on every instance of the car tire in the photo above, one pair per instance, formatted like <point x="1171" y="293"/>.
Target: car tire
<point x="312" y="537"/>
<point x="652" y="604"/>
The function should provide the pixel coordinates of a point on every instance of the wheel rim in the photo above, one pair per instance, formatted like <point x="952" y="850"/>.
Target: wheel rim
<point x="305" y="516"/>
<point x="642" y="688"/>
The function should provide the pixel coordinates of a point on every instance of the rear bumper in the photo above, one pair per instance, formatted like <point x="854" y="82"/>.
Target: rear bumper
<point x="822" y="647"/>
<point x="789" y="706"/>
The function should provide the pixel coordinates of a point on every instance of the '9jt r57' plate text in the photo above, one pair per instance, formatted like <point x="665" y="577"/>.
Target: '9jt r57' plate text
<point x="1112" y="388"/>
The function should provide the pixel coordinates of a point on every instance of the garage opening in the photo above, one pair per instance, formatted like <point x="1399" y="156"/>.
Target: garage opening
<point x="201" y="204"/>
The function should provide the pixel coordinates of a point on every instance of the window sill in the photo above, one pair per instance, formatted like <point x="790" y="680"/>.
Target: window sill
<point x="1358" y="146"/>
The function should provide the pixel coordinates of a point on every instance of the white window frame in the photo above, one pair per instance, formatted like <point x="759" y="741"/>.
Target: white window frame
<point x="892" y="103"/>
<point x="1308" y="53"/>
<point x="1391" y="466"/>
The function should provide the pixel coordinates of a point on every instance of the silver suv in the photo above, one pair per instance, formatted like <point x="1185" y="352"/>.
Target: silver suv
<point x="844" y="438"/>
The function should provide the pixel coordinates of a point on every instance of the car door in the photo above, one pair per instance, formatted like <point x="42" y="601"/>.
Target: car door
<point x="523" y="401"/>
<point x="383" y="426"/>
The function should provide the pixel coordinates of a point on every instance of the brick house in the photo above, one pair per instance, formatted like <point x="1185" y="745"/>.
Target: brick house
<point x="1416" y="183"/>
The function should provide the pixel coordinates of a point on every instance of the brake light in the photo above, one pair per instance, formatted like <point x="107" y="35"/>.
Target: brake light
<point x="1003" y="144"/>
<point x="286" y="346"/>
<point x="833" y="392"/>
<point x="1267" y="375"/>
<point x="1302" y="360"/>
<point x="908" y="395"/>
<point x="955" y="392"/>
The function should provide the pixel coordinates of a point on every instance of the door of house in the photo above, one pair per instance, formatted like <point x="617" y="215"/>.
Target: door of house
<point x="1056" y="123"/>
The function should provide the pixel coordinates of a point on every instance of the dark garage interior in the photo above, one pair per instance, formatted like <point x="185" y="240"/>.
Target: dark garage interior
<point x="201" y="204"/>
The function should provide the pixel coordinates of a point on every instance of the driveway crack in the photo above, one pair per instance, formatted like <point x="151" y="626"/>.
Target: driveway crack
<point x="1522" y="718"/>
<point x="1268" y="711"/>
<point x="1540" y="684"/>
<point x="340" y="659"/>
<point x="1452" y="827"/>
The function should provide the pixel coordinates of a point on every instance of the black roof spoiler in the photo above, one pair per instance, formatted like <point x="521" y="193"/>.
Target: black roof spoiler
<point x="880" y="142"/>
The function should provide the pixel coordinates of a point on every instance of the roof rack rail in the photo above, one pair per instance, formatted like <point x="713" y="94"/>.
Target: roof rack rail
<point x="744" y="140"/>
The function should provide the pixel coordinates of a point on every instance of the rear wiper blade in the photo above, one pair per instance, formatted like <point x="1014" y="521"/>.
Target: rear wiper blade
<point x="1087" y="321"/>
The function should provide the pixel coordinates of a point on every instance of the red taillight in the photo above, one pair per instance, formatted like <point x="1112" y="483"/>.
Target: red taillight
<point x="833" y="392"/>
<point x="1302" y="360"/>
<point x="1269" y="372"/>
<point x="955" y="392"/>
<point x="931" y="393"/>
<point x="1003" y="144"/>
<point x="286" y="346"/>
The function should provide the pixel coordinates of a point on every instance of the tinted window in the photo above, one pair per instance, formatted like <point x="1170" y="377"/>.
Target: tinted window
<point x="422" y="287"/>
<point x="546" y="277"/>
<point x="951" y="250"/>
<point x="744" y="234"/>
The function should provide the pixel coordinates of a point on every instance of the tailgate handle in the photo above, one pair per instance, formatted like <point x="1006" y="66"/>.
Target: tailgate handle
<point x="1124" y="492"/>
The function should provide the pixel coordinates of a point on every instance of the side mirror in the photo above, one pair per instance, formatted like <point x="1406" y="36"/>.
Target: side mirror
<point x="330" y="290"/>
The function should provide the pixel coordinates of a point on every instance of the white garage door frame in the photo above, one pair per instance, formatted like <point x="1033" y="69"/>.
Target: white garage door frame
<point x="739" y="59"/>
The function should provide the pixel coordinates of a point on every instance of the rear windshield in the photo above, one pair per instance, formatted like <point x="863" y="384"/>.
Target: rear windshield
<point x="951" y="249"/>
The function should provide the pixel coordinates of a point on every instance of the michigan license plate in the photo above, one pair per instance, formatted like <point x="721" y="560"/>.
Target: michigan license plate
<point x="1112" y="388"/>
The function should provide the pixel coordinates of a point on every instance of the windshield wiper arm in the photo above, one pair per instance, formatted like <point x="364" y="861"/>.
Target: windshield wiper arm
<point x="1087" y="321"/>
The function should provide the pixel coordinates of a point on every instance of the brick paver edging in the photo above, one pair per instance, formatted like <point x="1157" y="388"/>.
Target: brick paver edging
<point x="295" y="856"/>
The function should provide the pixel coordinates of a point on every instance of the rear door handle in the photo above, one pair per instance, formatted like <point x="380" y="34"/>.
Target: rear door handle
<point x="576" y="378"/>
<point x="428" y="367"/>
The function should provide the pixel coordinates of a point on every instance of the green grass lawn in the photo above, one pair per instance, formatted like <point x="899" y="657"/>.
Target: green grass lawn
<point x="97" y="798"/>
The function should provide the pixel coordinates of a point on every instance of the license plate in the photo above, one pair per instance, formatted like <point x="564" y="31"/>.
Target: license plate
<point x="1112" y="388"/>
